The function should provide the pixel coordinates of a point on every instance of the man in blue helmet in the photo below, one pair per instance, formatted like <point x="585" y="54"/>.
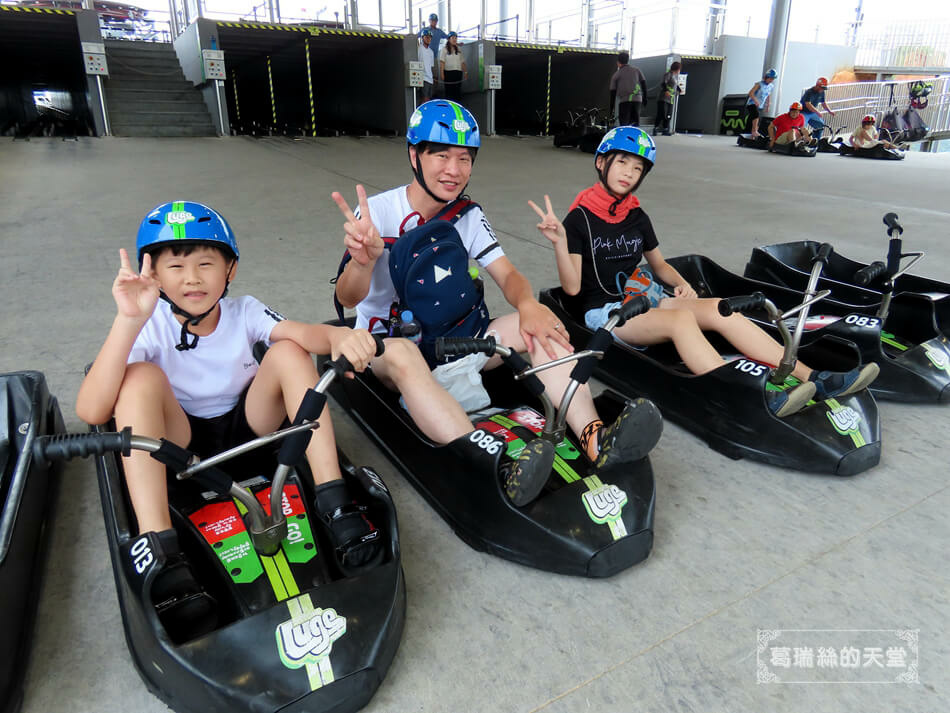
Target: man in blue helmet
<point x="178" y="364"/>
<point x="437" y="33"/>
<point x="443" y="140"/>
<point x="758" y="100"/>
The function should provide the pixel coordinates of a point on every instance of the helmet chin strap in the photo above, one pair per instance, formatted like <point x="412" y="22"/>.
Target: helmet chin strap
<point x="184" y="343"/>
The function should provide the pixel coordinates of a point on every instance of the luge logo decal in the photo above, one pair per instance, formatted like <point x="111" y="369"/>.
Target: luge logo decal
<point x="937" y="357"/>
<point x="179" y="217"/>
<point x="845" y="420"/>
<point x="308" y="640"/>
<point x="604" y="503"/>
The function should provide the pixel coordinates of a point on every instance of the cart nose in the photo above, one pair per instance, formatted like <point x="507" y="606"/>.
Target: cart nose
<point x="860" y="459"/>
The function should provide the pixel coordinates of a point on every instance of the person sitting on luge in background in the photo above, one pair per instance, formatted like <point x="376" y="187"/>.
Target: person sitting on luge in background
<point x="789" y="128"/>
<point x="759" y="100"/>
<point x="598" y="247"/>
<point x="669" y="88"/>
<point x="178" y="364"/>
<point x="810" y="101"/>
<point x="866" y="136"/>
<point x="442" y="142"/>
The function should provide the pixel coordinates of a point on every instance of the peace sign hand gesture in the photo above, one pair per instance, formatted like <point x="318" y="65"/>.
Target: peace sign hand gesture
<point x="361" y="237"/>
<point x="136" y="294"/>
<point x="550" y="226"/>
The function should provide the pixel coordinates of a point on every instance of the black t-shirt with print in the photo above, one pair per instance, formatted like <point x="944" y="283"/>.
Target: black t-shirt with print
<point x="607" y="250"/>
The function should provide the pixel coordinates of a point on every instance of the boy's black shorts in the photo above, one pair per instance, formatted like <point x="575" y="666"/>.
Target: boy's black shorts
<point x="751" y="111"/>
<point x="210" y="436"/>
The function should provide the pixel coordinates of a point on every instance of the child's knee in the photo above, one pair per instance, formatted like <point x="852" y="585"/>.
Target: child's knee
<point x="404" y="360"/>
<point x="682" y="320"/>
<point x="288" y="354"/>
<point x="142" y="378"/>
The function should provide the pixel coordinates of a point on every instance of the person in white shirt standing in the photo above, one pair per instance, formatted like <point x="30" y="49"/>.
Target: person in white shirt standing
<point x="427" y="58"/>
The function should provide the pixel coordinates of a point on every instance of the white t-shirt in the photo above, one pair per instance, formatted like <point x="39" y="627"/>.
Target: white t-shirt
<point x="427" y="57"/>
<point x="453" y="60"/>
<point x="392" y="215"/>
<point x="207" y="380"/>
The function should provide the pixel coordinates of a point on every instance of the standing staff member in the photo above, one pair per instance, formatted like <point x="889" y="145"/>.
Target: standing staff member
<point x="631" y="86"/>
<point x="427" y="58"/>
<point x="437" y="33"/>
<point x="452" y="68"/>
<point x="664" y="106"/>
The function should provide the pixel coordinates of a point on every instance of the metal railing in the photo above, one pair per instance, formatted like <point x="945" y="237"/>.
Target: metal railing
<point x="852" y="101"/>
<point x="904" y="44"/>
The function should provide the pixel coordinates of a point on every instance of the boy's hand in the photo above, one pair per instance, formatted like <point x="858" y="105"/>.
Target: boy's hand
<point x="537" y="322"/>
<point x="550" y="226"/>
<point x="361" y="237"/>
<point x="136" y="294"/>
<point x="685" y="290"/>
<point x="357" y="345"/>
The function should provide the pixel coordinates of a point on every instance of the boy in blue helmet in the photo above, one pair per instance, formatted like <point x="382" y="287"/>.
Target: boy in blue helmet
<point x="758" y="100"/>
<point x="443" y="140"/>
<point x="598" y="247"/>
<point x="178" y="364"/>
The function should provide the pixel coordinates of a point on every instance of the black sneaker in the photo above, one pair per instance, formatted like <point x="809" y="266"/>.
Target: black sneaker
<point x="631" y="436"/>
<point x="788" y="401"/>
<point x="831" y="384"/>
<point x="357" y="543"/>
<point x="529" y="472"/>
<point x="185" y="609"/>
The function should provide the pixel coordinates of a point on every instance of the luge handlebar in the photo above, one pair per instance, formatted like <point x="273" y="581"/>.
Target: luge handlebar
<point x="741" y="303"/>
<point x="81" y="445"/>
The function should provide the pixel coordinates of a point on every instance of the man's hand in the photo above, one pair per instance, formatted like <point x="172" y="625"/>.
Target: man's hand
<point x="136" y="294"/>
<point x="361" y="237"/>
<point x="538" y="322"/>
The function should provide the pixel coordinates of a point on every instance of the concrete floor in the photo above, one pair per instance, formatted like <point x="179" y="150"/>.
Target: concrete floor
<point x="739" y="546"/>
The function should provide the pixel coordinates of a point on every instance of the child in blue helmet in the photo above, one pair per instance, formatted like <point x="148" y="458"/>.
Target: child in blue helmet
<point x="758" y="100"/>
<point x="443" y="139"/>
<point x="178" y="364"/>
<point x="602" y="240"/>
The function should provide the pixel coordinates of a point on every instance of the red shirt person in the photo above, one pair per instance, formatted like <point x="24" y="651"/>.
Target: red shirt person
<point x="789" y="127"/>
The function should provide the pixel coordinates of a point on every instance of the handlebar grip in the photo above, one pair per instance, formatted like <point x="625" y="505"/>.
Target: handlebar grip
<point x="890" y="220"/>
<point x="865" y="275"/>
<point x="824" y="252"/>
<point x="461" y="346"/>
<point x="742" y="303"/>
<point x="342" y="364"/>
<point x="81" y="445"/>
<point x="632" y="308"/>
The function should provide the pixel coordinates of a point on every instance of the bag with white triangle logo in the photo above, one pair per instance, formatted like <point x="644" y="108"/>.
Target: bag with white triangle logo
<point x="429" y="269"/>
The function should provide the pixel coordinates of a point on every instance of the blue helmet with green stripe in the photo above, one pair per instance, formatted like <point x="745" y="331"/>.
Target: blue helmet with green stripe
<point x="441" y="121"/>
<point x="631" y="140"/>
<point x="185" y="223"/>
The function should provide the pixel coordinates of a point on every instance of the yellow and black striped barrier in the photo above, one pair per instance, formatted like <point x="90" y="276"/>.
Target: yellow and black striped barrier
<point x="273" y="101"/>
<point x="40" y="10"/>
<point x="262" y="26"/>
<point x="706" y="57"/>
<point x="313" y="114"/>
<point x="309" y="30"/>
<point x="547" y="100"/>
<point x="234" y="88"/>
